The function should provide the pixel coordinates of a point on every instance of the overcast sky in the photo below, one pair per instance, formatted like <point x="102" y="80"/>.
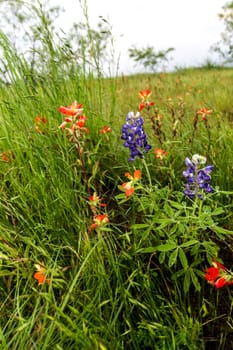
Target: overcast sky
<point x="190" y="26"/>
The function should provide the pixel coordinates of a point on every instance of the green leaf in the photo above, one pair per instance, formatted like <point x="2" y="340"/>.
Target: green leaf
<point x="163" y="220"/>
<point x="218" y="211"/>
<point x="147" y="250"/>
<point x="168" y="210"/>
<point x="139" y="226"/>
<point x="183" y="259"/>
<point x="162" y="257"/>
<point x="195" y="280"/>
<point x="166" y="247"/>
<point x="224" y="231"/>
<point x="176" y="205"/>
<point x="211" y="248"/>
<point x="186" y="281"/>
<point x="173" y="257"/>
<point x="189" y="243"/>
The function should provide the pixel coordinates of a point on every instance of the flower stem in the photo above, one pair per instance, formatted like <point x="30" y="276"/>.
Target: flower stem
<point x="77" y="145"/>
<point x="147" y="171"/>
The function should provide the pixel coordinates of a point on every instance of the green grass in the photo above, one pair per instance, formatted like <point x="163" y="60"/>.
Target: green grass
<point x="138" y="282"/>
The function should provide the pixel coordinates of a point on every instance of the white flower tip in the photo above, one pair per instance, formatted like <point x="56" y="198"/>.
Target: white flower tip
<point x="197" y="159"/>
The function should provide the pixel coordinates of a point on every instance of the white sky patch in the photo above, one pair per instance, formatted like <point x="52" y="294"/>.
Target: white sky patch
<point x="190" y="26"/>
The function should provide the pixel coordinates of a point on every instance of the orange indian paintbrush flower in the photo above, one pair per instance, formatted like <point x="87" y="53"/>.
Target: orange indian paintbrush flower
<point x="160" y="153"/>
<point x="39" y="276"/>
<point x="128" y="187"/>
<point x="204" y="112"/>
<point x="99" y="221"/>
<point x="72" y="110"/>
<point x="218" y="275"/>
<point x="40" y="123"/>
<point x="105" y="129"/>
<point x="144" y="96"/>
<point x="7" y="156"/>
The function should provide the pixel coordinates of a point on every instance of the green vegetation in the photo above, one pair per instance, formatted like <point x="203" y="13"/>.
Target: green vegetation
<point x="130" y="275"/>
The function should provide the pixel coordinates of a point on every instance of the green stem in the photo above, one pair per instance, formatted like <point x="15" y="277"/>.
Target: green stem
<point x="77" y="145"/>
<point x="147" y="171"/>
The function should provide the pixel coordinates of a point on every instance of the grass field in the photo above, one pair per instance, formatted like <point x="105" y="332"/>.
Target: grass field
<point x="87" y="263"/>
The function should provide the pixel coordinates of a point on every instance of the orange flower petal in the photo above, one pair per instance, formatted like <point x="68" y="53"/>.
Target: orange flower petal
<point x="105" y="129"/>
<point x="39" y="277"/>
<point x="129" y="192"/>
<point x="127" y="174"/>
<point x="137" y="174"/>
<point x="4" y="157"/>
<point x="145" y="93"/>
<point x="126" y="185"/>
<point x="221" y="282"/>
<point x="141" y="106"/>
<point x="72" y="110"/>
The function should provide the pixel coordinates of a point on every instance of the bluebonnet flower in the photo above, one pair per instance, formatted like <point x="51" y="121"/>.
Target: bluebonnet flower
<point x="134" y="135"/>
<point x="198" y="179"/>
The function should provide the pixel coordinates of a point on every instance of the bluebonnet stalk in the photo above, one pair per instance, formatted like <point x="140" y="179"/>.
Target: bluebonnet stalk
<point x="198" y="179"/>
<point x="134" y="135"/>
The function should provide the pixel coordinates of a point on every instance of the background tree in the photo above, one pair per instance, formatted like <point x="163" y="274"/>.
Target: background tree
<point x="225" y="46"/>
<point x="91" y="46"/>
<point x="149" y="58"/>
<point x="30" y="29"/>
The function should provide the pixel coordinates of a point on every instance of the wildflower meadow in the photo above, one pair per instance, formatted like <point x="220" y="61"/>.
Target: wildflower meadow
<point x="116" y="208"/>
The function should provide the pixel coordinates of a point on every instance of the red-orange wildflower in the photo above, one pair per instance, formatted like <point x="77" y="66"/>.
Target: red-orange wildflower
<point x="143" y="105"/>
<point x="212" y="274"/>
<point x="40" y="275"/>
<point x="95" y="201"/>
<point x="128" y="187"/>
<point x="218" y="265"/>
<point x="81" y="121"/>
<point x="77" y="124"/>
<point x="72" y="110"/>
<point x="160" y="153"/>
<point x="136" y="175"/>
<point x="105" y="129"/>
<point x="7" y="156"/>
<point x="218" y="276"/>
<point x="221" y="282"/>
<point x="144" y="96"/>
<point x="40" y="120"/>
<point x="40" y="124"/>
<point x="99" y="221"/>
<point x="204" y="112"/>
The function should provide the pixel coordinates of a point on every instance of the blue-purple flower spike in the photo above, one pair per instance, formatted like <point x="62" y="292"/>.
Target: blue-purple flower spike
<point x="198" y="179"/>
<point x="134" y="136"/>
